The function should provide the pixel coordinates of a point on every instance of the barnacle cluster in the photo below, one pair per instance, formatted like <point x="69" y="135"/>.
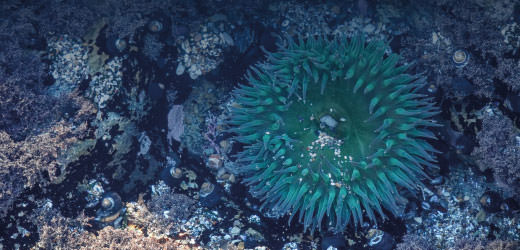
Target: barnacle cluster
<point x="511" y="34"/>
<point x="202" y="51"/>
<point x="69" y="64"/>
<point x="107" y="83"/>
<point x="331" y="129"/>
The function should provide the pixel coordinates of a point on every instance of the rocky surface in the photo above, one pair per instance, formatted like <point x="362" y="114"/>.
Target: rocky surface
<point x="86" y="91"/>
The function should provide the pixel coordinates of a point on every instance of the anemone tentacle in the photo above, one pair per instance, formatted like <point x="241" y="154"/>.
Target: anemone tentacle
<point x="332" y="129"/>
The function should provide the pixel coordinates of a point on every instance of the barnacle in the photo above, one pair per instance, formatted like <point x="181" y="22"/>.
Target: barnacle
<point x="330" y="130"/>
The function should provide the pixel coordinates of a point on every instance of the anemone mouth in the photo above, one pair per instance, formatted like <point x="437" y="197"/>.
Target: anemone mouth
<point x="332" y="128"/>
<point x="340" y="105"/>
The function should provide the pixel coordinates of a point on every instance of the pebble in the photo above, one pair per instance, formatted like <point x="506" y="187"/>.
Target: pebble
<point x="235" y="231"/>
<point x="435" y="38"/>
<point x="425" y="205"/>
<point x="232" y="178"/>
<point x="225" y="146"/>
<point x="369" y="28"/>
<point x="214" y="161"/>
<point x="197" y="37"/>
<point x="290" y="246"/>
<point x="257" y="236"/>
<point x="180" y="69"/>
<point x="254" y="219"/>
<point x="437" y="180"/>
<point x="227" y="38"/>
<point x="481" y="216"/>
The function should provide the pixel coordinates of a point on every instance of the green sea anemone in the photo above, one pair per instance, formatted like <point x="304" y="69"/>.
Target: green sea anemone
<point x="331" y="129"/>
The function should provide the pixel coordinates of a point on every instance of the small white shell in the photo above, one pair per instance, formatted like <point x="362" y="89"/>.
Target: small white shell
<point x="329" y="121"/>
<point x="180" y="69"/>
